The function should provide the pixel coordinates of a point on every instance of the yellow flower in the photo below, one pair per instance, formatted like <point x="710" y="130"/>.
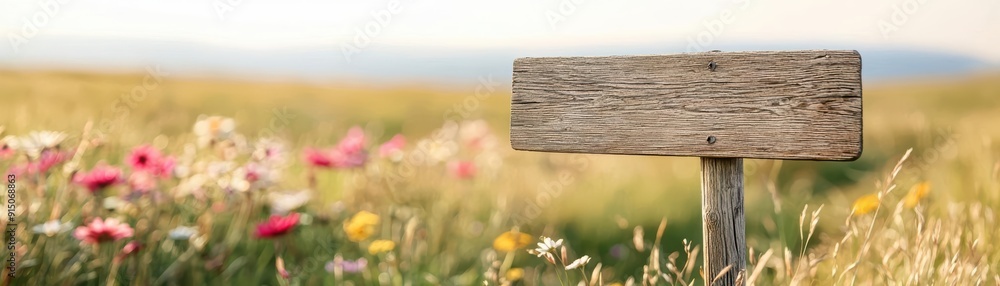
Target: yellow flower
<point x="514" y="274"/>
<point x="510" y="241"/>
<point x="865" y="204"/>
<point x="380" y="246"/>
<point x="361" y="226"/>
<point x="916" y="193"/>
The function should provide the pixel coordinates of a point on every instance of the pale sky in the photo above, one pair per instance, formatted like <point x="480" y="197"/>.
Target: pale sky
<point x="967" y="27"/>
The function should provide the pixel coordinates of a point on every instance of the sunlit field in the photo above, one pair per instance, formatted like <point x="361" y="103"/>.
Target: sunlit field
<point x="141" y="180"/>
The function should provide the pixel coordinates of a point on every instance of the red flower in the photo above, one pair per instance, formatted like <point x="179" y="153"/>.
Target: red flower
<point x="462" y="169"/>
<point x="99" y="231"/>
<point x="146" y="158"/>
<point x="99" y="178"/>
<point x="277" y="226"/>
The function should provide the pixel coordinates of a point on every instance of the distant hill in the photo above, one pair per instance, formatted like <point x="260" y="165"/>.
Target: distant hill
<point x="388" y="63"/>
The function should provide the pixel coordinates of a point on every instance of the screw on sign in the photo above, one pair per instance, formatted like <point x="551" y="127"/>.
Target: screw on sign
<point x="790" y="105"/>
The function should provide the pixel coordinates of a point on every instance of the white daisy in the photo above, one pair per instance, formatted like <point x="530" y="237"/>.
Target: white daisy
<point x="52" y="227"/>
<point x="578" y="263"/>
<point x="47" y="139"/>
<point x="547" y="245"/>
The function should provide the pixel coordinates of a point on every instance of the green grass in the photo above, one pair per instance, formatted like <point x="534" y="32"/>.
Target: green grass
<point x="444" y="227"/>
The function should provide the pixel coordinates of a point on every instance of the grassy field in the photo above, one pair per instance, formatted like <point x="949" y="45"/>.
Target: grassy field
<point x="456" y="206"/>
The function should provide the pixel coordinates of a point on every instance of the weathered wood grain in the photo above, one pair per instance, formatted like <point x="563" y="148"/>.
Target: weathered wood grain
<point x="773" y="105"/>
<point x="724" y="229"/>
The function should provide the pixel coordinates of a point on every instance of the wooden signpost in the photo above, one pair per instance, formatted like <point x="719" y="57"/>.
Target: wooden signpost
<point x="722" y="107"/>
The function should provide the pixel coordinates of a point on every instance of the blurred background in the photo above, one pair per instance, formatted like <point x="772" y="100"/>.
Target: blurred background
<point x="931" y="74"/>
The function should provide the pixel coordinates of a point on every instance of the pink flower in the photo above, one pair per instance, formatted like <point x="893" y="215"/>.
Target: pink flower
<point x="46" y="160"/>
<point x="5" y="149"/>
<point x="349" y="153"/>
<point x="393" y="147"/>
<point x="142" y="182"/>
<point x="146" y="158"/>
<point x="100" y="231"/>
<point x="253" y="172"/>
<point x="130" y="249"/>
<point x="277" y="226"/>
<point x="99" y="178"/>
<point x="462" y="169"/>
<point x="353" y="159"/>
<point x="318" y="158"/>
<point x="354" y="142"/>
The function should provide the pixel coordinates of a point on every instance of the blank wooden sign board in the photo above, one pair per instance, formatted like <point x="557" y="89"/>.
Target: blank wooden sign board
<point x="722" y="107"/>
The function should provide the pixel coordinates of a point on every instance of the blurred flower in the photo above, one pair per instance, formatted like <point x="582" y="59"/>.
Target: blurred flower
<point x="235" y="182"/>
<point x="141" y="182"/>
<point x="99" y="178"/>
<point x="578" y="263"/>
<point x="462" y="169"/>
<point x="44" y="161"/>
<point x="917" y="192"/>
<point x="354" y="141"/>
<point x="8" y="145"/>
<point x="277" y="226"/>
<point x="212" y="129"/>
<point x="511" y="240"/>
<point x="393" y="149"/>
<point x="146" y="158"/>
<point x="361" y="226"/>
<point x="476" y="135"/>
<point x="279" y="264"/>
<point x="348" y="266"/>
<point x="282" y="203"/>
<point x="380" y="246"/>
<point x="47" y="139"/>
<point x="437" y="150"/>
<point x="52" y="227"/>
<point x="865" y="204"/>
<point x="318" y="158"/>
<point x="37" y="142"/>
<point x="546" y="246"/>
<point x="350" y="152"/>
<point x="269" y="150"/>
<point x="260" y="175"/>
<point x="514" y="274"/>
<point x="143" y="157"/>
<point x="130" y="249"/>
<point x="99" y="231"/>
<point x="182" y="233"/>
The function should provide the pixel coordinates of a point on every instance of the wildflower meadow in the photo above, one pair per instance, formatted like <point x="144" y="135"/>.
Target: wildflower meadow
<point x="248" y="183"/>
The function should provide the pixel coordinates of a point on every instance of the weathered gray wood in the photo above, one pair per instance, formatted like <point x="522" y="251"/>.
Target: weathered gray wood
<point x="724" y="229"/>
<point x="774" y="105"/>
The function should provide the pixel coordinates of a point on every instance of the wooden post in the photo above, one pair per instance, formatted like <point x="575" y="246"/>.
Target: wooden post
<point x="722" y="107"/>
<point x="722" y="213"/>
